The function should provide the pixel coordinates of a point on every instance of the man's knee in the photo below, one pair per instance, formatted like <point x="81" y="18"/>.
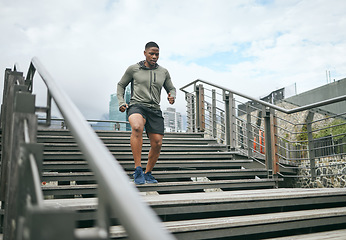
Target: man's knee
<point x="137" y="123"/>
<point x="156" y="143"/>
<point x="137" y="128"/>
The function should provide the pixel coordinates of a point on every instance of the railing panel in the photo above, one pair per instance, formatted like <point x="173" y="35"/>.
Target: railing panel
<point x="280" y="134"/>
<point x="12" y="79"/>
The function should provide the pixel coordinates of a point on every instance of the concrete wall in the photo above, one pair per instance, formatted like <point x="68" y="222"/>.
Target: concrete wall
<point x="331" y="90"/>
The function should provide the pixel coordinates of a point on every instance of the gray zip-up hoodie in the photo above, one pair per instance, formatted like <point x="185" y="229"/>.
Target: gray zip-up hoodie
<point x="146" y="85"/>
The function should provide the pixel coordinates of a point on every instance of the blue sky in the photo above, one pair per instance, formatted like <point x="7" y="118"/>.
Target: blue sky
<point x="251" y="46"/>
<point x="221" y="60"/>
<point x="264" y="2"/>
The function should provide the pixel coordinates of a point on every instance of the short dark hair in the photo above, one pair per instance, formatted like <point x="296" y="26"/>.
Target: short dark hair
<point x="151" y="44"/>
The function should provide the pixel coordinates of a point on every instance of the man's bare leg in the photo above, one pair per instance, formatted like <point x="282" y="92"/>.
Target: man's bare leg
<point x="137" y="123"/>
<point x="155" y="149"/>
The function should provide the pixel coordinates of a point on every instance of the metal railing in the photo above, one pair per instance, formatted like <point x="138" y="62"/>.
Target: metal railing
<point x="25" y="217"/>
<point x="291" y="140"/>
<point x="107" y="125"/>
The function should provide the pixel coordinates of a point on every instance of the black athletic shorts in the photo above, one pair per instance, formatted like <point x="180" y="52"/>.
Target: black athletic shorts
<point x="154" y="120"/>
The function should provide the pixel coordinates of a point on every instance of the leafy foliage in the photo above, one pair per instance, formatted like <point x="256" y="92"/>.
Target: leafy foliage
<point x="337" y="128"/>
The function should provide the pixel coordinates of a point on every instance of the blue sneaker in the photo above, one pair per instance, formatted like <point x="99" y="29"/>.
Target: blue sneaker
<point x="149" y="178"/>
<point x="138" y="176"/>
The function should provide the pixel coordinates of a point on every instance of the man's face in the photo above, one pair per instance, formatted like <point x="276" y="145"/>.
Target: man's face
<point x="151" y="56"/>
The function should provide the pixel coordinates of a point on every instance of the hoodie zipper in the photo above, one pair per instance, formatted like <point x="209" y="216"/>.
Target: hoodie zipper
<point x="151" y="79"/>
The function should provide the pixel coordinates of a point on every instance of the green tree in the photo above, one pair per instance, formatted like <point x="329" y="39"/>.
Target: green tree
<point x="337" y="129"/>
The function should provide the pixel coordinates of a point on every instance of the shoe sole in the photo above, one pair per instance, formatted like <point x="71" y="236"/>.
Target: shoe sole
<point x="139" y="183"/>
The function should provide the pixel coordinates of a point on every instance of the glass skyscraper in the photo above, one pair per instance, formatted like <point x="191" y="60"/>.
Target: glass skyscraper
<point x="115" y="114"/>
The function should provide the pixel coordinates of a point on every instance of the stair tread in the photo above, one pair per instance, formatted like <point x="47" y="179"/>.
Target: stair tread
<point x="161" y="154"/>
<point x="254" y="219"/>
<point x="160" y="161"/>
<point x="164" y="184"/>
<point x="210" y="197"/>
<point x="128" y="133"/>
<point x="145" y="144"/>
<point x="127" y="138"/>
<point x="54" y="175"/>
<point x="46" y="174"/>
<point x="242" y="221"/>
<point x="328" y="235"/>
<point x="163" y="172"/>
<point x="239" y="196"/>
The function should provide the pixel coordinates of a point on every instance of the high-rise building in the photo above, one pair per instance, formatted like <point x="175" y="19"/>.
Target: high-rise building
<point x="173" y="120"/>
<point x="115" y="114"/>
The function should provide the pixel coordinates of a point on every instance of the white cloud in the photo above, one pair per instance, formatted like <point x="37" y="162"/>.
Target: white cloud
<point x="86" y="45"/>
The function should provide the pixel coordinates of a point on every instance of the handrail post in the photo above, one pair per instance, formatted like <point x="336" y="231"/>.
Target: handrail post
<point x="103" y="216"/>
<point x="230" y="119"/>
<point x="197" y="107"/>
<point x="309" y="120"/>
<point x="213" y="113"/>
<point x="49" y="108"/>
<point x="4" y="97"/>
<point x="232" y="122"/>
<point x="200" y="114"/>
<point x="274" y="130"/>
<point x="268" y="140"/>
<point x="191" y="120"/>
<point x="249" y="131"/>
<point x="223" y="127"/>
<point x="29" y="81"/>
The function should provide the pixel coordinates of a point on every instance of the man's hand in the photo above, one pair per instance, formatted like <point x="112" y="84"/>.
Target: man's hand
<point x="170" y="99"/>
<point x="123" y="108"/>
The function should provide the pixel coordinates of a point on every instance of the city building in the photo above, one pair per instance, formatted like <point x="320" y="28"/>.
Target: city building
<point x="115" y="114"/>
<point x="173" y="120"/>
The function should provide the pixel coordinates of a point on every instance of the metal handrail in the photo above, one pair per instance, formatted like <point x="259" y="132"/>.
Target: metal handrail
<point x="122" y="197"/>
<point x="34" y="168"/>
<point x="89" y="120"/>
<point x="287" y="111"/>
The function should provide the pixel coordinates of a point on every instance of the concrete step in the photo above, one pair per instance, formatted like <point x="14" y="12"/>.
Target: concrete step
<point x="101" y="133"/>
<point x="128" y="155"/>
<point x="126" y="147"/>
<point x="231" y="203"/>
<point x="254" y="225"/>
<point x="165" y="175"/>
<point x="119" y="140"/>
<point x="251" y="214"/>
<point x="327" y="235"/>
<point x="188" y="164"/>
<point x="165" y="187"/>
<point x="180" y="164"/>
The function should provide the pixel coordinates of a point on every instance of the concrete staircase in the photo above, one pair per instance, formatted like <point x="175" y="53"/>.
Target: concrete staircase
<point x="188" y="163"/>
<point x="203" y="192"/>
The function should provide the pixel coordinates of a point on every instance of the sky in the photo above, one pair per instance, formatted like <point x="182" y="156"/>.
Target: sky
<point x="250" y="46"/>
